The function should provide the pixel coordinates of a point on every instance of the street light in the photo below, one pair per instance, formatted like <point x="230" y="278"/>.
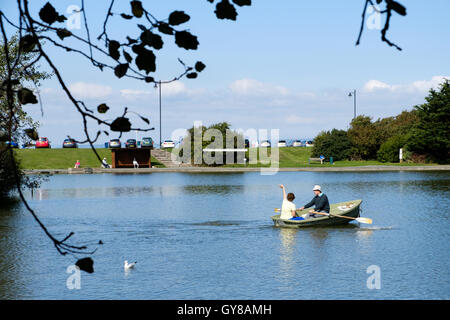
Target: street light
<point x="354" y="102"/>
<point x="156" y="85"/>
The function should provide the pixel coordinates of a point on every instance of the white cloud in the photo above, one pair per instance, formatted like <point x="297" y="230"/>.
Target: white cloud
<point x="293" y="119"/>
<point x="170" y="89"/>
<point x="373" y="85"/>
<point x="420" y="86"/>
<point x="85" y="90"/>
<point x="254" y="87"/>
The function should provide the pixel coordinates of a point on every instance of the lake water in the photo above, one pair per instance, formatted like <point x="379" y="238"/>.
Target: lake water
<point x="210" y="236"/>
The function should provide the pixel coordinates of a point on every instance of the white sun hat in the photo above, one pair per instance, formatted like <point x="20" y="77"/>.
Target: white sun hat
<point x="317" y="187"/>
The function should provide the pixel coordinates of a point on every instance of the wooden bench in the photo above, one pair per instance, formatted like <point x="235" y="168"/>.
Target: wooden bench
<point x="315" y="159"/>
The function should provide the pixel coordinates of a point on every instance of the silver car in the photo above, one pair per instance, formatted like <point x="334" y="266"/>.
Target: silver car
<point x="297" y="143"/>
<point x="265" y="144"/>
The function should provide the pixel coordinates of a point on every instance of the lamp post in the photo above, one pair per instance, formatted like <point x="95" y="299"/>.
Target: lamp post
<point x="158" y="84"/>
<point x="353" y="93"/>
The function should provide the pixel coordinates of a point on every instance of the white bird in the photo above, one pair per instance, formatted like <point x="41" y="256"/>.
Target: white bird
<point x="128" y="266"/>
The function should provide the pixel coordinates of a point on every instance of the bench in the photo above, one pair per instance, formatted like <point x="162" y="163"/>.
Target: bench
<point x="315" y="159"/>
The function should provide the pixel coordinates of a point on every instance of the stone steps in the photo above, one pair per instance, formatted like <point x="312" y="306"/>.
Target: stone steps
<point x="165" y="158"/>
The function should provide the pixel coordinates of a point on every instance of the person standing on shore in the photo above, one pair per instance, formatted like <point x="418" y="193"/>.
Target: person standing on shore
<point x="320" y="203"/>
<point x="77" y="164"/>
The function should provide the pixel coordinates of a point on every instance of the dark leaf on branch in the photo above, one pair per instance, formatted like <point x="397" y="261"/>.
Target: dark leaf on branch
<point x="107" y="133"/>
<point x="225" y="10"/>
<point x="145" y="119"/>
<point x="120" y="70"/>
<point x="26" y="96"/>
<point x="131" y="41"/>
<point x="242" y="3"/>
<point x="121" y="124"/>
<point x="200" y="66"/>
<point x="397" y="7"/>
<point x="138" y="48"/>
<point x="136" y="8"/>
<point x="63" y="33"/>
<point x="185" y="40"/>
<point x="49" y="15"/>
<point x="102" y="108"/>
<point x="113" y="48"/>
<point x="126" y="16"/>
<point x="151" y="39"/>
<point x="28" y="43"/>
<point x="86" y="264"/>
<point x="32" y="134"/>
<point x="127" y="56"/>
<point x="178" y="17"/>
<point x="13" y="82"/>
<point x="165" y="28"/>
<point x="145" y="60"/>
<point x="149" y="79"/>
<point x="191" y="75"/>
<point x="379" y="1"/>
<point x="61" y="18"/>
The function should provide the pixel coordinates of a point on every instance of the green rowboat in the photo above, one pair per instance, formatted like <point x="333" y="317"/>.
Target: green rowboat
<point x="348" y="209"/>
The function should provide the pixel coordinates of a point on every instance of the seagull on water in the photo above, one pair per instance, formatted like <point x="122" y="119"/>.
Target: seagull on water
<point x="128" y="266"/>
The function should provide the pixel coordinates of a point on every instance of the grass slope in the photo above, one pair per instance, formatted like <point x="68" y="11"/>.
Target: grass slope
<point x="63" y="158"/>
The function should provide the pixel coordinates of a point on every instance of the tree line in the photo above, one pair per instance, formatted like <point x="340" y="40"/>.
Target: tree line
<point x="423" y="133"/>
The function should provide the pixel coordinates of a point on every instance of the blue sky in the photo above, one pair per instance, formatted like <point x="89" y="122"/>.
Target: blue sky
<point x="285" y="65"/>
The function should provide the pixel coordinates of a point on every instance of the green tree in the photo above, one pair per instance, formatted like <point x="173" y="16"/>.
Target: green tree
<point x="364" y="138"/>
<point x="431" y="135"/>
<point x="209" y="136"/>
<point x="15" y="123"/>
<point x="334" y="143"/>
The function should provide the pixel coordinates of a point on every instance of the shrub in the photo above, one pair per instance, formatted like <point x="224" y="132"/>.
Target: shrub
<point x="389" y="150"/>
<point x="334" y="143"/>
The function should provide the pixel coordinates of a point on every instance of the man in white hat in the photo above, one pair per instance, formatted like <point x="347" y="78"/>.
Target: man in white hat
<point x="320" y="203"/>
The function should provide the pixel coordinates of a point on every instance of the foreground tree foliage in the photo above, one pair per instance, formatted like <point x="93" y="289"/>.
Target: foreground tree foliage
<point x="15" y="123"/>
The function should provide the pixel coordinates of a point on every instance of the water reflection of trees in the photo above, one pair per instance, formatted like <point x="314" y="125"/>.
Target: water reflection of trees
<point x="212" y="189"/>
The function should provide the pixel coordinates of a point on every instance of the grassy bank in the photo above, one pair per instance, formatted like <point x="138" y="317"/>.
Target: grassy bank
<point x="294" y="157"/>
<point x="289" y="157"/>
<point x="63" y="158"/>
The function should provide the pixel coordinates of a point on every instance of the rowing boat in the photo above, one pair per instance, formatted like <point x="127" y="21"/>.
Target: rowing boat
<point x="349" y="209"/>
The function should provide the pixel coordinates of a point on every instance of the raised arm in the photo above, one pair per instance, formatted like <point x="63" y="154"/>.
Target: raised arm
<point x="284" y="191"/>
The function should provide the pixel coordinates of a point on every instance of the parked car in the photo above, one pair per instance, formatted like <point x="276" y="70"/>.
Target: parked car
<point x="115" y="143"/>
<point x="168" y="144"/>
<point x="69" y="143"/>
<point x="13" y="144"/>
<point x="282" y="143"/>
<point x="42" y="142"/>
<point x="131" y="143"/>
<point x="265" y="144"/>
<point x="309" y="144"/>
<point x="147" y="143"/>
<point x="297" y="143"/>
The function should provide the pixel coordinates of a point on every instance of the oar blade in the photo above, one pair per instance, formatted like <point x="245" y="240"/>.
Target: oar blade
<point x="364" y="220"/>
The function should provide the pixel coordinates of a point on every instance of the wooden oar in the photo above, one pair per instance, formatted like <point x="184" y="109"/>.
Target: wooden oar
<point x="360" y="219"/>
